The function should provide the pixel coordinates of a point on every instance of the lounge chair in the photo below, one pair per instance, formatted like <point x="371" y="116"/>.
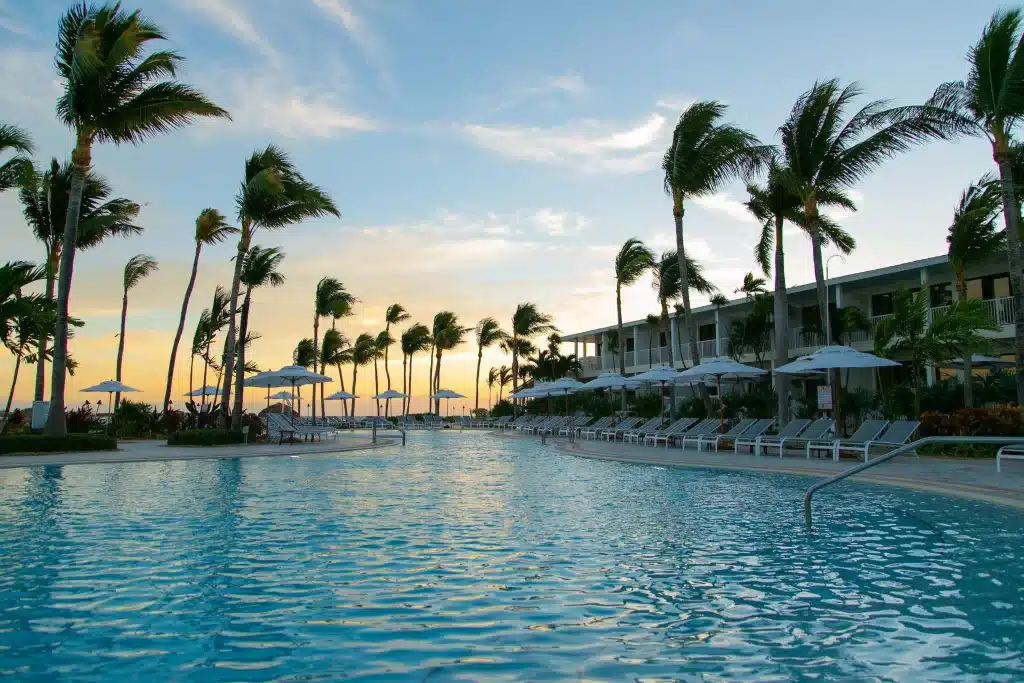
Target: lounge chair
<point x="816" y="431"/>
<point x="737" y="430"/>
<point x="281" y="426"/>
<point x="708" y="426"/>
<point x="755" y="432"/>
<point x="897" y="434"/>
<point x="552" y="427"/>
<point x="680" y="425"/>
<point x="613" y="433"/>
<point x="592" y="430"/>
<point x="540" y="424"/>
<point x="790" y="431"/>
<point x="636" y="433"/>
<point x="574" y="424"/>
<point x="501" y="422"/>
<point x="869" y="431"/>
<point x="1008" y="452"/>
<point x="524" y="421"/>
<point x="697" y="428"/>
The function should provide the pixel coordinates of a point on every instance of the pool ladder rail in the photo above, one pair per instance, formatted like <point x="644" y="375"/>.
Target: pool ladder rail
<point x="907" y="448"/>
<point x="393" y="426"/>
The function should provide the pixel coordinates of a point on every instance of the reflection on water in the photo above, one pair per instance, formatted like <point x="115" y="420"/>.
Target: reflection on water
<point x="463" y="556"/>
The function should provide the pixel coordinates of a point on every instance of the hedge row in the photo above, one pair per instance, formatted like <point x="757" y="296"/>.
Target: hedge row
<point x="205" y="437"/>
<point x="37" y="443"/>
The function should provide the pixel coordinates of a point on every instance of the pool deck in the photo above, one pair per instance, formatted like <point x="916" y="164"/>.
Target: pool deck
<point x="965" y="478"/>
<point x="146" y="451"/>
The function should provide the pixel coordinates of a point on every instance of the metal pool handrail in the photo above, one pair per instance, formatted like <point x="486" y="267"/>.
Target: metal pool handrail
<point x="995" y="440"/>
<point x="394" y="425"/>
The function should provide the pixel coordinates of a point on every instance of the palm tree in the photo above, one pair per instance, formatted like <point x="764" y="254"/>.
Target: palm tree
<point x="414" y="340"/>
<point x="211" y="228"/>
<point x="200" y="342"/>
<point x="138" y="268"/>
<point x="335" y="350"/>
<point x="441" y="319"/>
<point x="44" y="201"/>
<point x="260" y="269"/>
<point x="113" y="92"/>
<point x="504" y="377"/>
<point x="705" y="155"/>
<point x="492" y="379"/>
<point x="447" y="337"/>
<point x="527" y="322"/>
<point x="363" y="352"/>
<point x="383" y="340"/>
<point x="908" y="332"/>
<point x="752" y="286"/>
<point x="394" y="315"/>
<point x="273" y="195"/>
<point x="974" y="238"/>
<point x="653" y="323"/>
<point x="633" y="260"/>
<point x="329" y="292"/>
<point x="22" y="317"/>
<point x="488" y="333"/>
<point x="217" y="322"/>
<point x="14" y="140"/>
<point x="989" y="104"/>
<point x="666" y="283"/>
<point x="304" y="357"/>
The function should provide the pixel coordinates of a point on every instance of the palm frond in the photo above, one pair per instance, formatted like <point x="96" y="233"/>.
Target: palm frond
<point x="137" y="269"/>
<point x="633" y="260"/>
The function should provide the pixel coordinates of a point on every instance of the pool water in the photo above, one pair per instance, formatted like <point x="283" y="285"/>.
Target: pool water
<point x="469" y="557"/>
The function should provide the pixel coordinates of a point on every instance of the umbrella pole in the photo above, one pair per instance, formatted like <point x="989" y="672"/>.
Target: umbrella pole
<point x="662" y="404"/>
<point x="721" y="404"/>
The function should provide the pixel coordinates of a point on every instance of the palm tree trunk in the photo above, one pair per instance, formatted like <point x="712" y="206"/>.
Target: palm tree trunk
<point x="671" y="356"/>
<point x="40" y="388"/>
<point x="56" y="422"/>
<point x="408" y="404"/>
<point x="622" y="343"/>
<point x="376" y="386"/>
<point x="316" y="357"/>
<point x="229" y="343"/>
<point x="684" y="284"/>
<point x="10" y="396"/>
<point x="437" y="382"/>
<point x="341" y="383"/>
<point x="206" y="369"/>
<point x="243" y="329"/>
<point x="355" y="373"/>
<point x="479" y="359"/>
<point x="181" y="325"/>
<point x="781" y="315"/>
<point x="387" y="370"/>
<point x="430" y="377"/>
<point x="826" y="323"/>
<point x="404" y="384"/>
<point x="120" y="347"/>
<point x="1011" y="219"/>
<point x="191" y="371"/>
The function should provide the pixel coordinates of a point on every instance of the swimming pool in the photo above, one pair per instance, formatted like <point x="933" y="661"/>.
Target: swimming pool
<point x="467" y="556"/>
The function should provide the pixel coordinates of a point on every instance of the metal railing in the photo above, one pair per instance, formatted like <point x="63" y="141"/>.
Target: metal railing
<point x="913" y="446"/>
<point x="1001" y="309"/>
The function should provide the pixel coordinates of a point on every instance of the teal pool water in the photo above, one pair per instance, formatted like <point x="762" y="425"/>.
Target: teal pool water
<point x="466" y="557"/>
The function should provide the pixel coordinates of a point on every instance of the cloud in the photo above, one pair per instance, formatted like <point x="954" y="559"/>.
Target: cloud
<point x="341" y="12"/>
<point x="232" y="20"/>
<point x="722" y="202"/>
<point x="590" y="146"/>
<point x="557" y="224"/>
<point x="570" y="82"/>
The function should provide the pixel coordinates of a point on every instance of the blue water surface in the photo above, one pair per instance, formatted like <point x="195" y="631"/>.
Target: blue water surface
<point x="470" y="557"/>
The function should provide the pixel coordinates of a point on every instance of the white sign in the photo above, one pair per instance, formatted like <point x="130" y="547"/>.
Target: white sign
<point x="825" y="397"/>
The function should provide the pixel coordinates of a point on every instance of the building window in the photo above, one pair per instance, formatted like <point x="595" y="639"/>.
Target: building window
<point x="706" y="332"/>
<point x="809" y="316"/>
<point x="940" y="294"/>
<point x="881" y="304"/>
<point x="630" y="345"/>
<point x="662" y="339"/>
<point x="597" y="348"/>
<point x="988" y="287"/>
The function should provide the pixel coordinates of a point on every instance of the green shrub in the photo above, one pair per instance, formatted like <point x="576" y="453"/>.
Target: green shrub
<point x="205" y="437"/>
<point x="82" y="420"/>
<point x="37" y="443"/>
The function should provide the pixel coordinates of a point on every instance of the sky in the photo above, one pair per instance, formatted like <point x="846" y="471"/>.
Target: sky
<point x="482" y="154"/>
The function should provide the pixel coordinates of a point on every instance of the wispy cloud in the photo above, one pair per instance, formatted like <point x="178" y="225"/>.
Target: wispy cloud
<point x="569" y="84"/>
<point x="590" y="146"/>
<point x="360" y="31"/>
<point x="722" y="202"/>
<point x="231" y="19"/>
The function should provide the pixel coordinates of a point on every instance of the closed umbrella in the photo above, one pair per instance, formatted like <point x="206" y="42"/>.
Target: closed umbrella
<point x="719" y="368"/>
<point x="660" y="375"/>
<point x="110" y="387"/>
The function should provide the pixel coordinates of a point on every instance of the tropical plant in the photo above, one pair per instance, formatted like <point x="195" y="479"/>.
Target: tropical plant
<point x="527" y="322"/>
<point x="329" y="292"/>
<point x="414" y="340"/>
<point x="492" y="380"/>
<point x="23" y="319"/>
<point x="394" y="315"/>
<point x="753" y="332"/>
<point x="704" y="156"/>
<point x="211" y="228"/>
<point x="363" y="351"/>
<point x="14" y="141"/>
<point x="907" y="332"/>
<point x="336" y="351"/>
<point x="504" y="378"/>
<point x="989" y="103"/>
<point x="633" y="260"/>
<point x="449" y="335"/>
<point x="218" y="320"/>
<point x="974" y="238"/>
<point x="273" y="195"/>
<point x="653" y="323"/>
<point x="718" y="300"/>
<point x="752" y="286"/>
<point x="200" y="343"/>
<point x="138" y="268"/>
<point x="303" y="356"/>
<point x="261" y="268"/>
<point x="488" y="333"/>
<point x="113" y="92"/>
<point x="44" y="201"/>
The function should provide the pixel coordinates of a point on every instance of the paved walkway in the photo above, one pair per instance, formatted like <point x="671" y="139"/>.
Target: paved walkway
<point x="967" y="478"/>
<point x="141" y="451"/>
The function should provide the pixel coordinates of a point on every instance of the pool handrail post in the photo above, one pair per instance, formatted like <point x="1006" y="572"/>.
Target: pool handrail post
<point x="906" y="448"/>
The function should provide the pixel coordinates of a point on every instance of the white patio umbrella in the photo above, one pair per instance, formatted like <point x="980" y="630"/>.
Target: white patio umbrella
<point x="564" y="387"/>
<point x="979" y="361"/>
<point x="110" y="387"/>
<point x="660" y="375"/>
<point x="340" y="396"/>
<point x="719" y="368"/>
<point x="610" y="380"/>
<point x="205" y="391"/>
<point x="836" y="358"/>
<point x="296" y="376"/>
<point x="283" y="396"/>
<point x="266" y="379"/>
<point x="448" y="395"/>
<point x="387" y="396"/>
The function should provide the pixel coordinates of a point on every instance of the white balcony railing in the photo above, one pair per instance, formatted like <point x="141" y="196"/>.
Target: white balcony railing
<point x="1001" y="310"/>
<point x="707" y="349"/>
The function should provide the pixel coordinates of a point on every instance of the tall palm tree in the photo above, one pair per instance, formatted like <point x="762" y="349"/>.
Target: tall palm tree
<point x="633" y="260"/>
<point x="304" y="357"/>
<point x="449" y="336"/>
<point x="394" y="315"/>
<point x="200" y="343"/>
<point x="668" y="290"/>
<point x="653" y="324"/>
<point x="704" y="156"/>
<point x="363" y="351"/>
<point x="752" y="286"/>
<point x="527" y="322"/>
<point x="329" y="292"/>
<point x="218" y="321"/>
<point x="989" y="103"/>
<point x="44" y="201"/>
<point x="414" y="340"/>
<point x="492" y="380"/>
<point x="441" y="319"/>
<point x="260" y="269"/>
<point x="18" y="143"/>
<point x="488" y="333"/>
<point x="273" y="195"/>
<point x="974" y="238"/>
<point x="504" y="377"/>
<point x="21" y="317"/>
<point x="383" y="340"/>
<point x="138" y="268"/>
<point x="336" y="351"/>
<point x="211" y="228"/>
<point x="113" y="92"/>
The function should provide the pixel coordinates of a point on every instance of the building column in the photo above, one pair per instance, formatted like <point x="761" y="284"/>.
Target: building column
<point x="576" y="348"/>
<point x="929" y="369"/>
<point x="718" y="333"/>
<point x="636" y="346"/>
<point x="673" y="327"/>
<point x="605" y="352"/>
<point x="839" y="296"/>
